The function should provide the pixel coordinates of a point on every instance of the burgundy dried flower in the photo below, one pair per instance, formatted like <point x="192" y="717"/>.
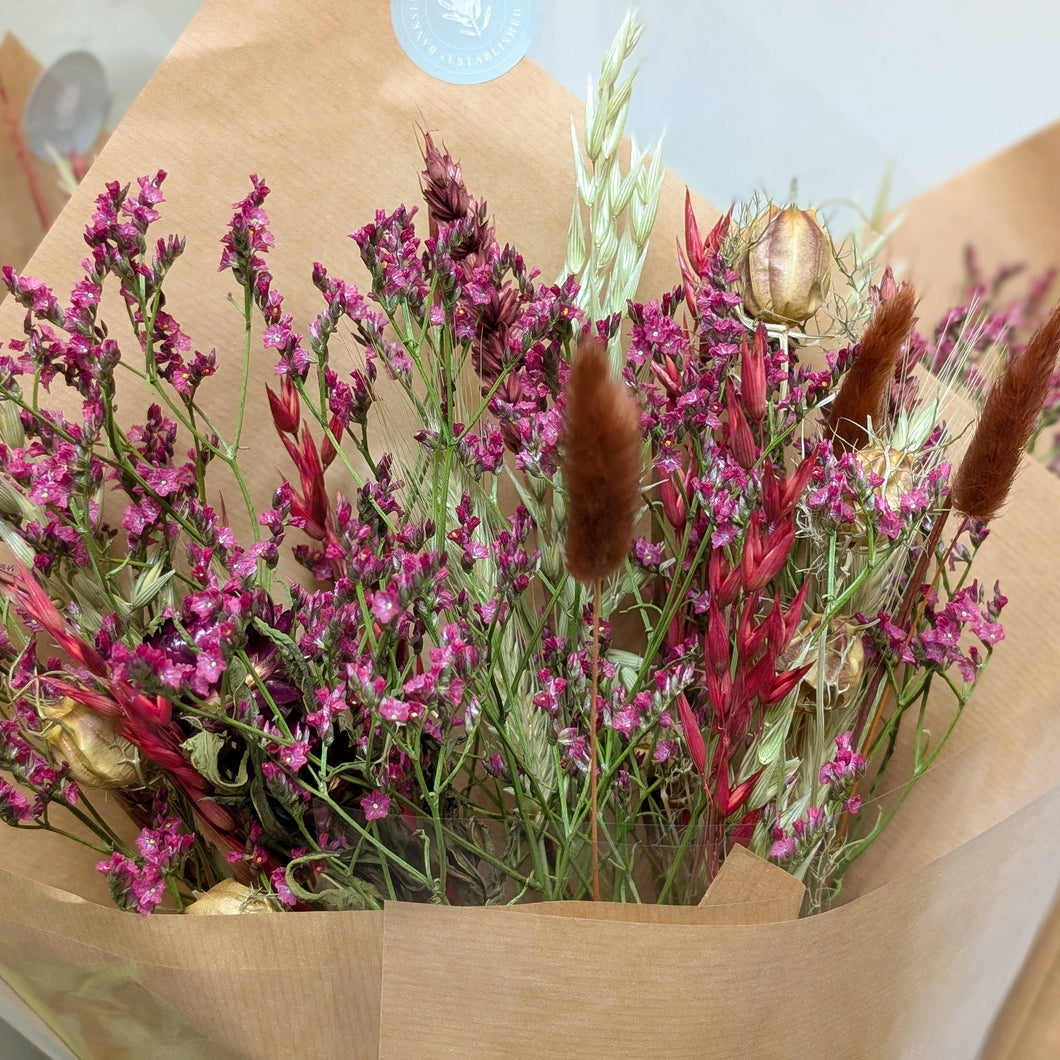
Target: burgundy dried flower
<point x="450" y="204"/>
<point x="753" y="376"/>
<point x="286" y="411"/>
<point x="443" y="186"/>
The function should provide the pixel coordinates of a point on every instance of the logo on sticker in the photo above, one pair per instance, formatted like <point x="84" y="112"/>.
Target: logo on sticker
<point x="464" y="42"/>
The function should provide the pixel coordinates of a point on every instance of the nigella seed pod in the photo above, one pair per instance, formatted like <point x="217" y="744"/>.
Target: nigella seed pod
<point x="894" y="467"/>
<point x="229" y="898"/>
<point x="896" y="471"/>
<point x="843" y="660"/>
<point x="785" y="271"/>
<point x="97" y="755"/>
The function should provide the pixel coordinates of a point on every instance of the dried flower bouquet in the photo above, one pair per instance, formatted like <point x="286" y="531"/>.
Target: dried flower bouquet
<point x="652" y="580"/>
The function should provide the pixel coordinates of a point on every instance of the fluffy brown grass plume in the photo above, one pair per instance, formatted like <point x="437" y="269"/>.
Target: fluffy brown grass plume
<point x="863" y="393"/>
<point x="1009" y="417"/>
<point x="602" y="440"/>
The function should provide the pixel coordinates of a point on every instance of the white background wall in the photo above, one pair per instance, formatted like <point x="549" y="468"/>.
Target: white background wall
<point x="756" y="92"/>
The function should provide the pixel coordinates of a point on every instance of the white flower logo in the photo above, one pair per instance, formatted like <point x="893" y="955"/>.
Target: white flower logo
<point x="470" y="14"/>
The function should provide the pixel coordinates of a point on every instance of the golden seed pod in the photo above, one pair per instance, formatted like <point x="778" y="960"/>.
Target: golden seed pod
<point x="844" y="660"/>
<point x="786" y="269"/>
<point x="229" y="898"/>
<point x="98" y="756"/>
<point x="894" y="466"/>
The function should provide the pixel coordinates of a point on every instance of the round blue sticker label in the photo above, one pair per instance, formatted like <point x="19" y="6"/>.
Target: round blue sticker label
<point x="464" y="42"/>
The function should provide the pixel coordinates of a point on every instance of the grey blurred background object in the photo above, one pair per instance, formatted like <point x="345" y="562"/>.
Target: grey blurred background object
<point x="67" y="107"/>
<point x="749" y="96"/>
<point x="23" y="1035"/>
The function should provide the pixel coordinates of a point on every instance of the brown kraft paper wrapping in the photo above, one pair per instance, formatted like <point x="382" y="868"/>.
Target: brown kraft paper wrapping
<point x="940" y="915"/>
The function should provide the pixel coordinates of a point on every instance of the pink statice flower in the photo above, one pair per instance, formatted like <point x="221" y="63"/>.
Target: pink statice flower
<point x="376" y="806"/>
<point x="139" y="882"/>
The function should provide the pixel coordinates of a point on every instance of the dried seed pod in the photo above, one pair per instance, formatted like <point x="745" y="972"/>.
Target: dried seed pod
<point x="229" y="898"/>
<point x="97" y="755"/>
<point x="896" y="469"/>
<point x="894" y="466"/>
<point x="787" y="267"/>
<point x="844" y="660"/>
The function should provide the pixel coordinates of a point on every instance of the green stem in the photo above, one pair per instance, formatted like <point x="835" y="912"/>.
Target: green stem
<point x="681" y="853"/>
<point x="245" y="379"/>
<point x="593" y="752"/>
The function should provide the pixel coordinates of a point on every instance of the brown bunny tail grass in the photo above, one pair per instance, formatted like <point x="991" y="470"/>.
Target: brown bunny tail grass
<point x="1009" y="417"/>
<point x="602" y="440"/>
<point x="863" y="394"/>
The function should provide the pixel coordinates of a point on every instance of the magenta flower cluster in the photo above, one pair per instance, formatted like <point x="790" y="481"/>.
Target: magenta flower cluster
<point x="138" y="881"/>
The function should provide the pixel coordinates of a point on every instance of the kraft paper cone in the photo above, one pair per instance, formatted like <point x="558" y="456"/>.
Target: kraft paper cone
<point x="1006" y="206"/>
<point x="111" y="984"/>
<point x="900" y="972"/>
<point x="749" y="890"/>
<point x="1027" y="1025"/>
<point x="319" y="99"/>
